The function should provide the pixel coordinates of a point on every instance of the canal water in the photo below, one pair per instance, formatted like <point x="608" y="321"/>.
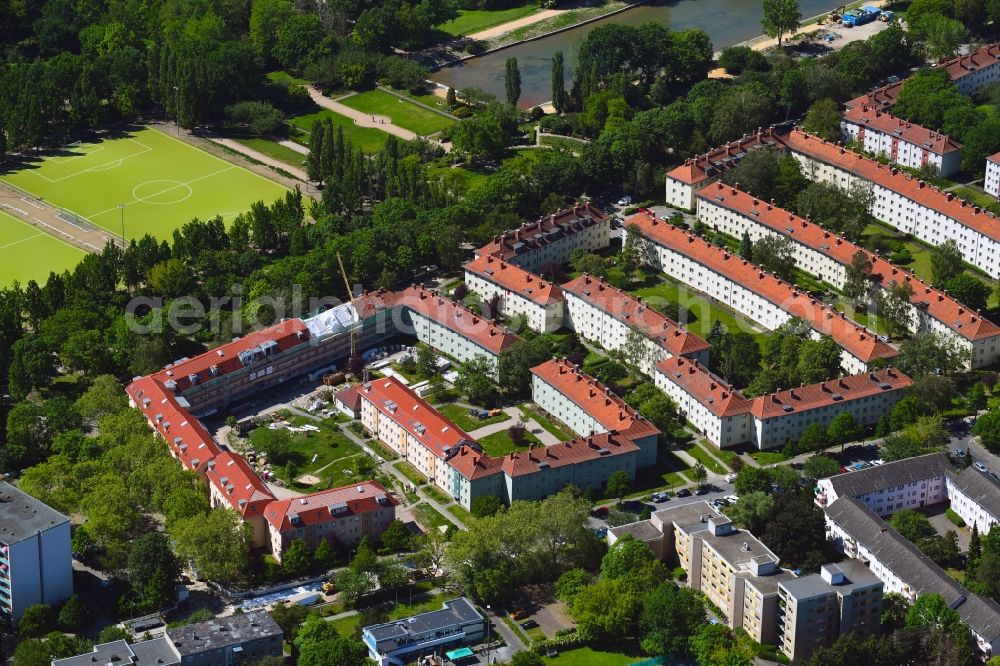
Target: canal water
<point x="727" y="22"/>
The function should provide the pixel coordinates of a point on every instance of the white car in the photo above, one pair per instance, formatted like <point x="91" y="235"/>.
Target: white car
<point x="625" y="200"/>
<point x="981" y="467"/>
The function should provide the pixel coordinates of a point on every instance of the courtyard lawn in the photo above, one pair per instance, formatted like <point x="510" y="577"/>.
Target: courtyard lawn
<point x="548" y="424"/>
<point x="702" y="456"/>
<point x="274" y="150"/>
<point x="476" y="20"/>
<point x="429" y="517"/>
<point x="500" y="444"/>
<point x="975" y="195"/>
<point x="411" y="473"/>
<point x="29" y="253"/>
<point x="327" y="454"/>
<point x="765" y="458"/>
<point x="347" y="626"/>
<point x="145" y="177"/>
<point x="403" y="113"/>
<point x="460" y="416"/>
<point x="586" y="656"/>
<point x="368" y="139"/>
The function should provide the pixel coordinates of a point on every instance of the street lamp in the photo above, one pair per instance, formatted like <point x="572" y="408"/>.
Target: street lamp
<point x="487" y="633"/>
<point x="121" y="207"/>
<point x="177" y="110"/>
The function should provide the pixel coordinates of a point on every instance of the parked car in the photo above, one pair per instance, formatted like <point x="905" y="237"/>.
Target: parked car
<point x="625" y="200"/>
<point x="659" y="497"/>
<point x="600" y="512"/>
<point x="529" y="624"/>
<point x="684" y="492"/>
<point x="959" y="453"/>
<point x="518" y="614"/>
<point x="981" y="467"/>
<point x="702" y="490"/>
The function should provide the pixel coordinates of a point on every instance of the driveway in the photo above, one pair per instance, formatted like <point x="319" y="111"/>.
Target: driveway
<point x="552" y="618"/>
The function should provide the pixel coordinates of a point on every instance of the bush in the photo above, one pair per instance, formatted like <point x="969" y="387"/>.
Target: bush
<point x="36" y="621"/>
<point x="260" y="118"/>
<point x="475" y="47"/>
<point x="902" y="257"/>
<point x="679" y="573"/>
<point x="536" y="113"/>
<point x="564" y="642"/>
<point x="954" y="518"/>
<point x="462" y="112"/>
<point x="404" y="74"/>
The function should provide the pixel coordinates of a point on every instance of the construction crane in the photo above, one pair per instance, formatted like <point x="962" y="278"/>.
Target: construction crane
<point x="353" y="359"/>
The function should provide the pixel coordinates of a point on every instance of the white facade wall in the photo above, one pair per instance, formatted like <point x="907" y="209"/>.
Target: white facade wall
<point x="538" y="317"/>
<point x="592" y="323"/>
<point x="592" y="473"/>
<point x="411" y="449"/>
<point x="899" y="150"/>
<point x="992" y="182"/>
<point x="893" y="583"/>
<point x="449" y="342"/>
<point x="595" y="237"/>
<point x="971" y="81"/>
<point x="40" y="571"/>
<point x="723" y="431"/>
<point x="887" y="501"/>
<point x="680" y="194"/>
<point x="558" y="405"/>
<point x="971" y="511"/>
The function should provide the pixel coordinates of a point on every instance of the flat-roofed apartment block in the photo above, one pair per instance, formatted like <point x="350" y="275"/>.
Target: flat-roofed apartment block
<point x="814" y="610"/>
<point x="232" y="483"/>
<point x="411" y="427"/>
<point x="339" y="515"/>
<point x="760" y="296"/>
<point x="518" y="293"/>
<point x="901" y="141"/>
<point x="684" y="180"/>
<point x="854" y="504"/>
<point x="904" y="202"/>
<point x="450" y="328"/>
<point x="992" y="182"/>
<point x="783" y="416"/>
<point x="715" y="409"/>
<point x="36" y="566"/>
<point x="827" y="256"/>
<point x="585" y="405"/>
<point x="402" y="641"/>
<point x="737" y="573"/>
<point x="551" y="240"/>
<point x="599" y="312"/>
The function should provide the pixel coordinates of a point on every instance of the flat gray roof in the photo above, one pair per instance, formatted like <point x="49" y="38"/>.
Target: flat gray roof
<point x="643" y="530"/>
<point x="223" y="632"/>
<point x="119" y="653"/>
<point x="856" y="576"/>
<point x="390" y="635"/>
<point x="898" y="473"/>
<point x="22" y="516"/>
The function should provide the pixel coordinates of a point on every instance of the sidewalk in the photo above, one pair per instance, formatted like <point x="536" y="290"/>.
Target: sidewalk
<point x="262" y="158"/>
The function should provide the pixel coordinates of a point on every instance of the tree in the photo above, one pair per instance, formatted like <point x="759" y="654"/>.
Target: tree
<point x="570" y="583"/>
<point x="928" y="352"/>
<point x="153" y="571"/>
<point x="820" y="467"/>
<point x="775" y="254"/>
<point x="619" y="485"/>
<point x="946" y="262"/>
<point x="894" y="306"/>
<point x="699" y="473"/>
<point x="512" y="81"/>
<point x="843" y="428"/>
<point x="898" y="447"/>
<point x="943" y="35"/>
<point x="217" y="543"/>
<point x="669" y="616"/>
<point x="930" y="611"/>
<point x="486" y="505"/>
<point x="296" y="559"/>
<point x="488" y="133"/>
<point x="738" y="59"/>
<point x="354" y="584"/>
<point x="968" y="290"/>
<point x="636" y="252"/>
<point x="975" y="544"/>
<point x="927" y="431"/>
<point x="757" y="173"/>
<point x="746" y="246"/>
<point x="753" y="509"/>
<point x="987" y="427"/>
<point x="558" y="82"/>
<point x="716" y="645"/>
<point x="396" y="538"/>
<point x="823" y="119"/>
<point x="626" y="557"/>
<point x="912" y="524"/>
<point x="476" y="380"/>
<point x="608" y="608"/>
<point x="36" y="621"/>
<point x="74" y="615"/>
<point x="320" y="644"/>
<point x="780" y="17"/>
<point x="819" y="360"/>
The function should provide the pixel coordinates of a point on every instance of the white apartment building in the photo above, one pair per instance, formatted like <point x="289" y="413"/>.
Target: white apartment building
<point x="36" y="565"/>
<point x="751" y="291"/>
<point x="902" y="142"/>
<point x="601" y="313"/>
<point x="975" y="497"/>
<point x="905" y="484"/>
<point x="783" y="416"/>
<point x="707" y="402"/>
<point x="518" y="292"/>
<point x="827" y="256"/>
<point x="992" y="182"/>
<point x="908" y="204"/>
<point x="684" y="180"/>
<point x="551" y="240"/>
<point x="233" y="484"/>
<point x="975" y="70"/>
<point x="450" y="328"/>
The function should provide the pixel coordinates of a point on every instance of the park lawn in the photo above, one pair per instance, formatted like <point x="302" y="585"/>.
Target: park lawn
<point x="142" y="179"/>
<point x="547" y="424"/>
<point x="574" y="145"/>
<point x="768" y="457"/>
<point x="284" y="78"/>
<point x="702" y="456"/>
<point x="458" y="179"/>
<point x="312" y="451"/>
<point x="700" y="312"/>
<point x="346" y="626"/>
<point x="587" y="656"/>
<point x="29" y="253"/>
<point x="476" y="20"/>
<point x="500" y="444"/>
<point x="460" y="416"/>
<point x="428" y="98"/>
<point x="368" y="139"/>
<point x="274" y="150"/>
<point x="403" y="113"/>
<point x="411" y="473"/>
<point x="429" y="517"/>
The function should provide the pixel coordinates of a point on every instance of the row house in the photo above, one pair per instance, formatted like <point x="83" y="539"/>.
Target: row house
<point x="580" y="401"/>
<point x="904" y="202"/>
<point x="551" y="240"/>
<point x="758" y="295"/>
<point x="904" y="484"/>
<point x="976" y="70"/>
<point x="905" y="143"/>
<point x="233" y="484"/>
<point x="516" y="292"/>
<point x="684" y="180"/>
<point x="601" y="313"/>
<point x="708" y="403"/>
<point x="783" y="416"/>
<point x="992" y="182"/>
<point x="975" y="497"/>
<point x="341" y="515"/>
<point x="827" y="256"/>
<point x="451" y="328"/>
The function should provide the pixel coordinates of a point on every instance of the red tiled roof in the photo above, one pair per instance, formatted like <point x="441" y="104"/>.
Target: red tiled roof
<point x="573" y="452"/>
<point x="447" y="313"/>
<point x="533" y="235"/>
<point x="713" y="393"/>
<point x="701" y="167"/>
<point x="820" y="317"/>
<point x="936" y="303"/>
<point x="350" y="397"/>
<point x="373" y="302"/>
<point x="225" y="358"/>
<point x="235" y="480"/>
<point x="891" y="178"/>
<point x="886" y="123"/>
<point x="994" y="158"/>
<point x="190" y="442"/>
<point x="473" y="464"/>
<point x="426" y="424"/>
<point x="605" y="407"/>
<point x="631" y="311"/>
<point x="322" y="507"/>
<point x="830" y="392"/>
<point x="882" y="98"/>
<point x="960" y="66"/>
<point x="514" y="279"/>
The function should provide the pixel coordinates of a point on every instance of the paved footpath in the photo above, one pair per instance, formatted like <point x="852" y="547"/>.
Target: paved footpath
<point x="262" y="158"/>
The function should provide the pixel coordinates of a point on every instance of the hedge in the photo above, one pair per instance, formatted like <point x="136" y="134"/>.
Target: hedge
<point x="565" y="642"/>
<point x="954" y="517"/>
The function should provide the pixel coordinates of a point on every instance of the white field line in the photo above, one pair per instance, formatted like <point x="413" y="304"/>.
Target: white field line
<point x="23" y="240"/>
<point x="97" y="167"/>
<point x="136" y="200"/>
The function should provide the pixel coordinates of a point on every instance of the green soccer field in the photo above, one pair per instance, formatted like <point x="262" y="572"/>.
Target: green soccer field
<point x="162" y="182"/>
<point x="27" y="253"/>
